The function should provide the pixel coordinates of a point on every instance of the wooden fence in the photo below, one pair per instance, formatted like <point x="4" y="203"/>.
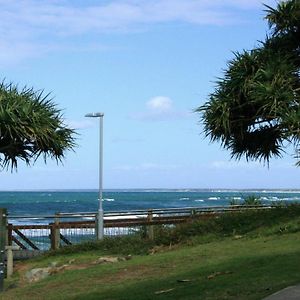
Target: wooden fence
<point x="69" y="228"/>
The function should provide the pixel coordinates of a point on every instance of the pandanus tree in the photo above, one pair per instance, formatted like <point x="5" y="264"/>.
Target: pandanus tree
<point x="254" y="110"/>
<point x="31" y="126"/>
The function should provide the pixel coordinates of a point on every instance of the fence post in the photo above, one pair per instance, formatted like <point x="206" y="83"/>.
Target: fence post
<point x="55" y="233"/>
<point x="193" y="213"/>
<point x="3" y="234"/>
<point x="96" y="225"/>
<point x="150" y="231"/>
<point x="10" y="260"/>
<point x="9" y="234"/>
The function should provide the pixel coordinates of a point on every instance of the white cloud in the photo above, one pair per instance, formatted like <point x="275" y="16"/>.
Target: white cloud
<point x="29" y="27"/>
<point x="231" y="165"/>
<point x="80" y="124"/>
<point x="160" y="108"/>
<point x="145" y="167"/>
<point x="251" y="165"/>
<point x="160" y="104"/>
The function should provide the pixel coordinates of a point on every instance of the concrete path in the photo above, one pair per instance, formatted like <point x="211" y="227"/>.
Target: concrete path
<point x="289" y="293"/>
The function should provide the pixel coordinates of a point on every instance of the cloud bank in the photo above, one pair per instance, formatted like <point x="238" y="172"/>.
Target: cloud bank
<point x="145" y="167"/>
<point x="29" y="28"/>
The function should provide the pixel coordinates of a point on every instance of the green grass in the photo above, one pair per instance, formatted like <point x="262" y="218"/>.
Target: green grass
<point x="246" y="256"/>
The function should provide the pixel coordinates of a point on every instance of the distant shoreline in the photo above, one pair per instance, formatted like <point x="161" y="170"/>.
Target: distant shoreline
<point x="159" y="190"/>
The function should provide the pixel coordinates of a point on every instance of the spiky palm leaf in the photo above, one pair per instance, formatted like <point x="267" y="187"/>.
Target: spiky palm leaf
<point x="30" y="126"/>
<point x="255" y="109"/>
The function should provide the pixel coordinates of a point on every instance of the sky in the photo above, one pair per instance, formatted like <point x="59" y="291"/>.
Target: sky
<point x="146" y="64"/>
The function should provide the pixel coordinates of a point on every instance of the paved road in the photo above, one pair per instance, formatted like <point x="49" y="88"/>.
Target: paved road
<point x="289" y="293"/>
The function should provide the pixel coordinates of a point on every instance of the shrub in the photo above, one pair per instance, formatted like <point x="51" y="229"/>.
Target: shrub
<point x="252" y="200"/>
<point x="199" y="230"/>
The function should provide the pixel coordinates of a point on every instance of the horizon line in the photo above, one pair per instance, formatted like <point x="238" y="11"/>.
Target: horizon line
<point x="150" y="189"/>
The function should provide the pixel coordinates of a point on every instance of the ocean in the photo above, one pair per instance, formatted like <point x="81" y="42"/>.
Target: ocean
<point x="50" y="202"/>
<point x="34" y="208"/>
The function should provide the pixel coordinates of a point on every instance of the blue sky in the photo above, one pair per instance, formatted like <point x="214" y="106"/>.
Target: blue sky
<point x="146" y="65"/>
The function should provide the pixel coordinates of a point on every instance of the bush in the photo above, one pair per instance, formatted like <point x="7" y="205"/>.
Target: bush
<point x="201" y="230"/>
<point x="125" y="245"/>
<point x="252" y="200"/>
<point x="233" y="202"/>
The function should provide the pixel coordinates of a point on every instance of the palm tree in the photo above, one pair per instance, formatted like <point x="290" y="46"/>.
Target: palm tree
<point x="254" y="110"/>
<point x="30" y="126"/>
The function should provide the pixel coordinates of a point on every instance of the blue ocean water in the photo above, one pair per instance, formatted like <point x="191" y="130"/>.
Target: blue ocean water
<point x="50" y="202"/>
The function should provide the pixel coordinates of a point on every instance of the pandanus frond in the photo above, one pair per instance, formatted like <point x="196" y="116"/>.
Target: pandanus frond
<point x="255" y="108"/>
<point x="31" y="126"/>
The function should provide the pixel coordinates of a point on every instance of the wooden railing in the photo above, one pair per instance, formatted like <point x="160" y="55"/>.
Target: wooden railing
<point x="68" y="228"/>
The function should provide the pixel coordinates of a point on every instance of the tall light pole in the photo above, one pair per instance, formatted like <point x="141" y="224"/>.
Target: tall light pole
<point x="100" y="217"/>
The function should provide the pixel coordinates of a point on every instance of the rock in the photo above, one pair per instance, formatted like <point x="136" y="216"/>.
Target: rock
<point x="53" y="264"/>
<point x="156" y="249"/>
<point x="183" y="280"/>
<point x="237" y="237"/>
<point x="58" y="269"/>
<point x="163" y="291"/>
<point x="37" y="274"/>
<point x="122" y="258"/>
<point x="111" y="259"/>
<point x="63" y="267"/>
<point x="218" y="274"/>
<point x="106" y="259"/>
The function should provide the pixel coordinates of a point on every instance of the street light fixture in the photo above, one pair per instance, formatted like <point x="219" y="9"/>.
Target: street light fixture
<point x="100" y="215"/>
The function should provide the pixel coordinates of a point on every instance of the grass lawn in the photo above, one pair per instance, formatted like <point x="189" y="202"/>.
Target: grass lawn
<point x="249" y="266"/>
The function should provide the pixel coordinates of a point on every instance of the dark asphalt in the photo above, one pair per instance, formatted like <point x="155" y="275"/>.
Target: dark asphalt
<point x="289" y="293"/>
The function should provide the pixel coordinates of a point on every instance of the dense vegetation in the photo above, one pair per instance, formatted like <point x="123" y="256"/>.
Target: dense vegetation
<point x="254" y="110"/>
<point x="30" y="126"/>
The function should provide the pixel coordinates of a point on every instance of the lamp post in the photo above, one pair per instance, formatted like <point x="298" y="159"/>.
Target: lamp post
<point x="100" y="217"/>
